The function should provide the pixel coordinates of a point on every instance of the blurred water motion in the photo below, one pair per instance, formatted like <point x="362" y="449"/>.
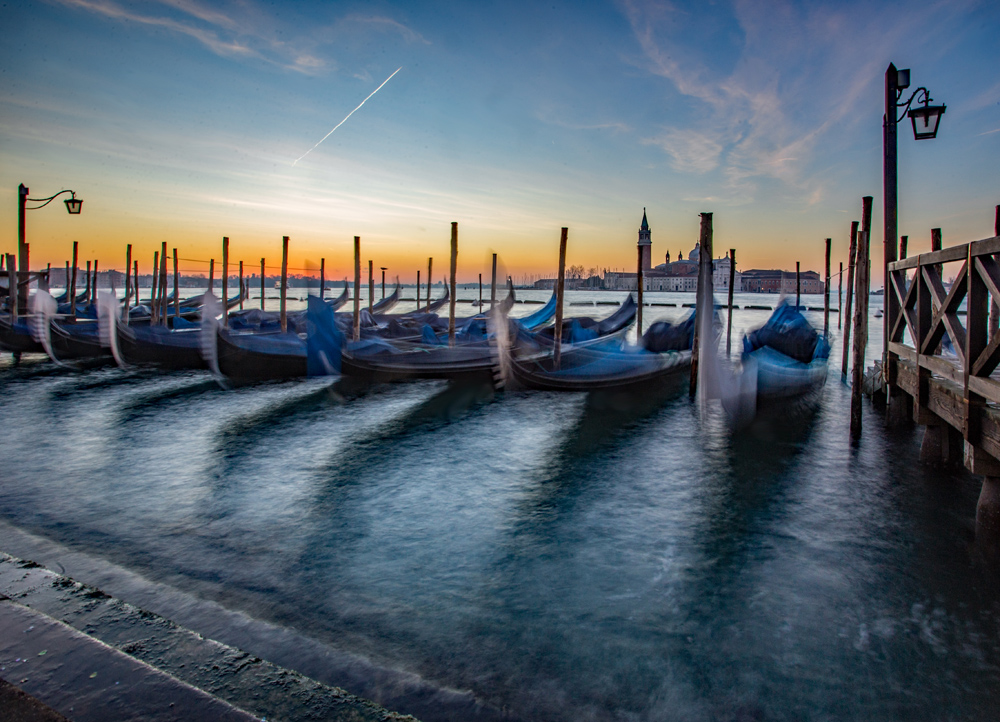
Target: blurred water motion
<point x="561" y="556"/>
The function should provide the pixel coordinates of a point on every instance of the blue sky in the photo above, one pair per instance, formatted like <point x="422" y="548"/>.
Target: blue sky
<point x="179" y="120"/>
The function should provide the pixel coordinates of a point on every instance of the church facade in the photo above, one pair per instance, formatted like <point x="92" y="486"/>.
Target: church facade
<point x="679" y="275"/>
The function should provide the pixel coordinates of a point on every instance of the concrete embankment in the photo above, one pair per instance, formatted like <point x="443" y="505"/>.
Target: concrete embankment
<point x="90" y="656"/>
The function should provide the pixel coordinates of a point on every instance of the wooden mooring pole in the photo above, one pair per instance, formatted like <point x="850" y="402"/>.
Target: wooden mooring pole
<point x="163" y="283"/>
<point x="357" y="288"/>
<point x="994" y="308"/>
<point x="177" y="288"/>
<point x="128" y="280"/>
<point x="89" y="298"/>
<point x="493" y="284"/>
<point x="861" y="316"/>
<point x="430" y="265"/>
<point x="153" y="320"/>
<point x="840" y="293"/>
<point x="243" y="289"/>
<point x="262" y="284"/>
<point x="798" y="288"/>
<point x="480" y="293"/>
<point x="638" y="298"/>
<point x="418" y="289"/>
<point x="451" y="283"/>
<point x="284" y="284"/>
<point x="560" y="287"/>
<point x="72" y="285"/>
<point x="135" y="284"/>
<point x="851" y="270"/>
<point x="371" y="285"/>
<point x="225" y="281"/>
<point x="322" y="278"/>
<point x="903" y="241"/>
<point x="732" y="282"/>
<point x="704" y="303"/>
<point x="12" y="284"/>
<point x="826" y="292"/>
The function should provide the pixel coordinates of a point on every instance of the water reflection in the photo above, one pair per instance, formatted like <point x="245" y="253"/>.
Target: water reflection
<point x="562" y="557"/>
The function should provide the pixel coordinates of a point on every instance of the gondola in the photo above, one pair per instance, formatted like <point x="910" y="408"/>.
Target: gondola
<point x="605" y="363"/>
<point x="478" y="354"/>
<point x="421" y="325"/>
<point x="254" y="319"/>
<point x="388" y="303"/>
<point x="246" y="358"/>
<point x="598" y="367"/>
<point x="433" y="306"/>
<point x="16" y="337"/>
<point x="77" y="341"/>
<point x="170" y="348"/>
<point x="577" y="329"/>
<point x="785" y="359"/>
<point x="180" y="347"/>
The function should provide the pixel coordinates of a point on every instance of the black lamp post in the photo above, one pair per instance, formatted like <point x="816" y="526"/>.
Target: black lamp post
<point x="73" y="207"/>
<point x="925" y="121"/>
<point x="383" y="279"/>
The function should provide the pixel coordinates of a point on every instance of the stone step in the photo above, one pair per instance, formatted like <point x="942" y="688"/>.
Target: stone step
<point x="84" y="653"/>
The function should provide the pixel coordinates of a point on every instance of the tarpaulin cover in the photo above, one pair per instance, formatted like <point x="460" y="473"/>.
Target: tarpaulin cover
<point x="323" y="340"/>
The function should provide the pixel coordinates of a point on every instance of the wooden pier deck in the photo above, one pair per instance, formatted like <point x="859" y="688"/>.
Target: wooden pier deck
<point x="954" y="392"/>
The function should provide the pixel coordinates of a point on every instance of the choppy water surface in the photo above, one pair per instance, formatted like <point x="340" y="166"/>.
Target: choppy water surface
<point x="562" y="557"/>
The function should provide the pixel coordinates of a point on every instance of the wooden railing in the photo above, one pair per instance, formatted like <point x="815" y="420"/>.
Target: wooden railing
<point x="923" y="306"/>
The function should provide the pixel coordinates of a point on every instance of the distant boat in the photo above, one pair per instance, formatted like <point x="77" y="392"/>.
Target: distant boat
<point x="878" y="313"/>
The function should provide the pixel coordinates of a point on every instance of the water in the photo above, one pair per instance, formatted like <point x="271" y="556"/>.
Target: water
<point x="561" y="557"/>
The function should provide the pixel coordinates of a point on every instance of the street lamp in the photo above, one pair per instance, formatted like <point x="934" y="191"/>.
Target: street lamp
<point x="925" y="121"/>
<point x="73" y="206"/>
<point x="383" y="279"/>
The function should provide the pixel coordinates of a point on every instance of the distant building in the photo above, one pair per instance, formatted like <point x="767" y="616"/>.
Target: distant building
<point x="646" y="244"/>
<point x="774" y="281"/>
<point x="571" y="284"/>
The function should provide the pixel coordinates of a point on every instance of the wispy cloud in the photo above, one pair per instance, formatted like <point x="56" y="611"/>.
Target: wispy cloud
<point x="248" y="31"/>
<point x="408" y="34"/>
<point x="208" y="38"/>
<point x="759" y="112"/>
<point x="552" y="118"/>
<point x="691" y="150"/>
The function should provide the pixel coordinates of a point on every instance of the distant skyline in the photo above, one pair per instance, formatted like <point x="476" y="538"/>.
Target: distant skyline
<point x="181" y="121"/>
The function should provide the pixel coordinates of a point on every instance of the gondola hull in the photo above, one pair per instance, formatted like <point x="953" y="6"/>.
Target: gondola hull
<point x="145" y="345"/>
<point x="413" y="361"/>
<point x="254" y="358"/>
<point x="77" y="342"/>
<point x="598" y="369"/>
<point x="780" y="377"/>
<point x="17" y="338"/>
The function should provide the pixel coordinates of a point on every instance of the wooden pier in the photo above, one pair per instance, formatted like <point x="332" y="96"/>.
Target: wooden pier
<point x="954" y="393"/>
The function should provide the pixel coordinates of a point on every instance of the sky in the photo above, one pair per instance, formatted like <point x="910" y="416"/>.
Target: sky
<point x="182" y="120"/>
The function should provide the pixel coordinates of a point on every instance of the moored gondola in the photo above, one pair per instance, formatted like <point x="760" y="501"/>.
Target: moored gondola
<point x="169" y="348"/>
<point x="77" y="341"/>
<point x="783" y="362"/>
<point x="598" y="367"/>
<point x="247" y="358"/>
<point x="17" y="338"/>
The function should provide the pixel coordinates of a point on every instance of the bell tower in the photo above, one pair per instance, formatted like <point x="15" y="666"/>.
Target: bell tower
<point x="646" y="244"/>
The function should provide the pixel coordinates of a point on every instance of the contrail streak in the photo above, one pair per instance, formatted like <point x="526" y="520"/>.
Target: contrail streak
<point x="348" y="116"/>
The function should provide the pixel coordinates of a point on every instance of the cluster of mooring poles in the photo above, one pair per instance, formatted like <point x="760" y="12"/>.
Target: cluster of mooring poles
<point x="936" y="371"/>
